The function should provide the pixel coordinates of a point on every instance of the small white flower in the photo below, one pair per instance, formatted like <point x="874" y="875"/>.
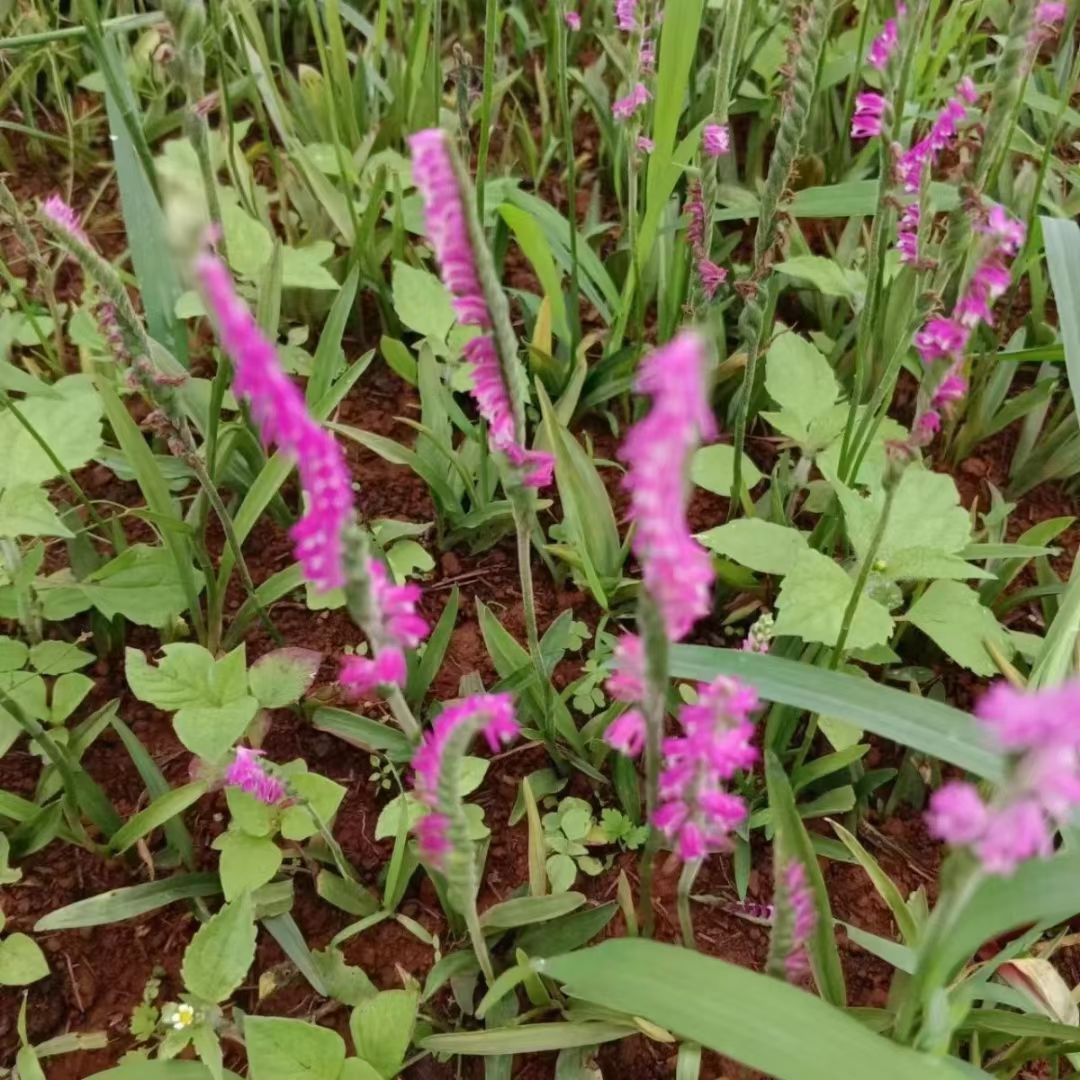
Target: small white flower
<point x="183" y="1017"/>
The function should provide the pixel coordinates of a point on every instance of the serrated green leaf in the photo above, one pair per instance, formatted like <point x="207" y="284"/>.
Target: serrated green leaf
<point x="221" y="952"/>
<point x="21" y="961"/>
<point x="382" y="1029"/>
<point x="799" y="379"/>
<point x="25" y="510"/>
<point x="760" y="545"/>
<point x="422" y="302"/>
<point x="954" y="618"/>
<point x="712" y="468"/>
<point x="246" y="862"/>
<point x="69" y="424"/>
<point x="281" y="1049"/>
<point x="282" y="677"/>
<point x="813" y="599"/>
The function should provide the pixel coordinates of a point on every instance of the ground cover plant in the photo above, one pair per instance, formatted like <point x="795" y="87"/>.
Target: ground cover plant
<point x="538" y="539"/>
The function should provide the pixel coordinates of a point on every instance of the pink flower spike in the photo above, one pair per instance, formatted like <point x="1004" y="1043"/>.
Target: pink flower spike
<point x="907" y="234"/>
<point x="573" y="20"/>
<point x="626" y="15"/>
<point x="448" y="230"/>
<point x="866" y="123"/>
<point x="626" y="733"/>
<point x="800" y="899"/>
<point x="712" y="277"/>
<point x="62" y="215"/>
<point x="433" y="835"/>
<point x="627" y="680"/>
<point x="247" y="773"/>
<point x="695" y="811"/>
<point x="957" y="814"/>
<point x="941" y="339"/>
<point x="280" y="413"/>
<point x="645" y="145"/>
<point x="884" y="45"/>
<point x="647" y="56"/>
<point x="951" y="389"/>
<point x="716" y="140"/>
<point x="359" y="675"/>
<point x="676" y="570"/>
<point x="625" y="107"/>
<point x="1013" y="835"/>
<point x="967" y="89"/>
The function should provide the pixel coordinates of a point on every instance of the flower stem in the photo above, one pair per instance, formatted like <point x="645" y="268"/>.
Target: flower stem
<point x="686" y="884"/>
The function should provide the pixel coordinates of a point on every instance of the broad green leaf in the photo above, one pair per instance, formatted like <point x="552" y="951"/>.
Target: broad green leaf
<point x="923" y="724"/>
<point x="283" y="676"/>
<point x="302" y="267"/>
<point x="760" y="545"/>
<point x="827" y="276"/>
<point x="21" y="961"/>
<point x="1062" y="240"/>
<point x="68" y="693"/>
<point x="382" y="1029"/>
<point x="799" y="379"/>
<point x="249" y="815"/>
<point x="141" y="584"/>
<point x="534" y="245"/>
<point x="25" y="510"/>
<point x="386" y="828"/>
<point x="69" y="424"/>
<point x="246" y="862"/>
<point x="281" y="1049"/>
<point x="736" y="1012"/>
<point x="247" y="241"/>
<point x="180" y="678"/>
<point x="57" y="657"/>
<point x="813" y="599"/>
<point x="422" y="302"/>
<point x="954" y="618"/>
<point x="347" y="983"/>
<point x="13" y="654"/>
<point x="209" y="731"/>
<point x="926" y="519"/>
<point x="322" y="793"/>
<point x="712" y="468"/>
<point x="221" y="952"/>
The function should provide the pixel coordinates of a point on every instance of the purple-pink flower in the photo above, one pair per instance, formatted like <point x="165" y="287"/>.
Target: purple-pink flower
<point x="800" y="900"/>
<point x="677" y="571"/>
<point x="626" y="15"/>
<point x="573" y="20"/>
<point x="62" y="215"/>
<point x="696" y="812"/>
<point x="490" y="714"/>
<point x="941" y="339"/>
<point x="907" y="234"/>
<point x="448" y="231"/>
<point x="394" y="626"/>
<point x="247" y="773"/>
<point x="625" y="107"/>
<point x="281" y="415"/>
<point x="867" y="120"/>
<point x="712" y="277"/>
<point x="645" y="144"/>
<point x="627" y="679"/>
<point x="647" y="56"/>
<point x="626" y="733"/>
<point x="716" y="140"/>
<point x="1041" y="733"/>
<point x="884" y="45"/>
<point x="1048" y="19"/>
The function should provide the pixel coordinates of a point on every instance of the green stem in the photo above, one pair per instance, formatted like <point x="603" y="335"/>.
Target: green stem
<point x="686" y="884"/>
<point x="562" y="75"/>
<point x="864" y="574"/>
<point x="655" y="642"/>
<point x="491" y="30"/>
<point x="807" y="45"/>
